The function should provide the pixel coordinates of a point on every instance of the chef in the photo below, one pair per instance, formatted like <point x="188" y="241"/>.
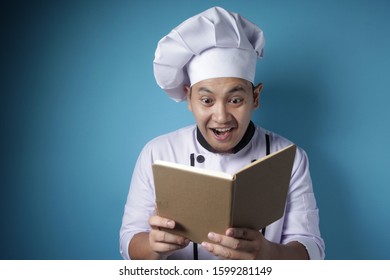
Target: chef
<point x="209" y="61"/>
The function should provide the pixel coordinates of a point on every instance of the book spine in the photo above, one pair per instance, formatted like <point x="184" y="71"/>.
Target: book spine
<point x="232" y="201"/>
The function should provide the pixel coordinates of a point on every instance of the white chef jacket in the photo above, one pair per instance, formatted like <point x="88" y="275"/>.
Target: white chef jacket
<point x="300" y="221"/>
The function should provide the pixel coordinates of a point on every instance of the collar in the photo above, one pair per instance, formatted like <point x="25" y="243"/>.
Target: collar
<point x="250" y="131"/>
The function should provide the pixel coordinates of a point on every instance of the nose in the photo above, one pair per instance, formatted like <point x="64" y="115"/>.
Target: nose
<point x="221" y="113"/>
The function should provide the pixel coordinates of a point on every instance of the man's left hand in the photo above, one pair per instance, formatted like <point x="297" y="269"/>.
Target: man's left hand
<point x="237" y="243"/>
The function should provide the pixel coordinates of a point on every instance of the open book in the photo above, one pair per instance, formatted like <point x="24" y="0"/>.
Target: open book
<point x="202" y="201"/>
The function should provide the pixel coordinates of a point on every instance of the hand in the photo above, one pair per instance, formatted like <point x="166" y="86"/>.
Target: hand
<point x="162" y="242"/>
<point x="237" y="243"/>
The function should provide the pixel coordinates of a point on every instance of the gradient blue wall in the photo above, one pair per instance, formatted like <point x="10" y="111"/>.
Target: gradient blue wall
<point x="79" y="101"/>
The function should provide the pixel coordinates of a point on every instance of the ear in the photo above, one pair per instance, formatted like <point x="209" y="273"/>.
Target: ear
<point x="187" y="90"/>
<point x="256" y="95"/>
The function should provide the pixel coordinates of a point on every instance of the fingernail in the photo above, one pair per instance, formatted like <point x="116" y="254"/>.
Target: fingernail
<point x="211" y="235"/>
<point x="170" y="224"/>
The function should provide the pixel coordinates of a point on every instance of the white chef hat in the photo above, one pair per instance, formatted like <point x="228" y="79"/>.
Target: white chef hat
<point x="213" y="44"/>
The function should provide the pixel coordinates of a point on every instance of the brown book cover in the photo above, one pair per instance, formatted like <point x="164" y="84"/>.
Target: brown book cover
<point x="202" y="201"/>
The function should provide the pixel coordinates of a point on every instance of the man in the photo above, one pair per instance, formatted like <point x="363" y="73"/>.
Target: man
<point x="210" y="61"/>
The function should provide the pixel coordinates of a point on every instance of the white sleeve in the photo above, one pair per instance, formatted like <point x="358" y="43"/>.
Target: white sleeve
<point x="302" y="216"/>
<point x="140" y="204"/>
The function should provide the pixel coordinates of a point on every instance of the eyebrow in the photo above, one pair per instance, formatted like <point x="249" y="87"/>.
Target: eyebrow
<point x="236" y="88"/>
<point x="204" y="89"/>
<point x="232" y="90"/>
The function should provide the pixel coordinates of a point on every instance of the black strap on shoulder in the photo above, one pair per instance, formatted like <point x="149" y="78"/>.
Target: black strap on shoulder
<point x="192" y="160"/>
<point x="268" y="145"/>
<point x="267" y="151"/>
<point x="195" y="247"/>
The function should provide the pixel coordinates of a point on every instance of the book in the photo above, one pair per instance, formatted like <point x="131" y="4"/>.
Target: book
<point x="202" y="201"/>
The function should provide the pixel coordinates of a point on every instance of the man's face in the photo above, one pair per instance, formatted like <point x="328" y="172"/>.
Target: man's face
<point x="223" y="109"/>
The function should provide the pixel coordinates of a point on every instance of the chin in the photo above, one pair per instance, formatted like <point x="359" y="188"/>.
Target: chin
<point x="223" y="149"/>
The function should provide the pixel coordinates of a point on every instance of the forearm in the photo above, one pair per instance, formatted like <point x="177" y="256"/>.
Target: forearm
<point x="291" y="251"/>
<point x="139" y="248"/>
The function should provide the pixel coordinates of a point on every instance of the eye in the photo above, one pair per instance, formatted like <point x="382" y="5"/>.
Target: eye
<point x="236" y="100"/>
<point x="206" y="100"/>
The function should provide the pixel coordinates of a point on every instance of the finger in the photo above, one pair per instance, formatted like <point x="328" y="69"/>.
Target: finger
<point x="224" y="252"/>
<point x="226" y="241"/>
<point x="217" y="250"/>
<point x="229" y="242"/>
<point x="164" y="242"/>
<point x="161" y="236"/>
<point x="243" y="233"/>
<point x="160" y="222"/>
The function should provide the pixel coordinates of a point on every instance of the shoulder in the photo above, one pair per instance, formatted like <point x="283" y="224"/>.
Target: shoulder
<point x="167" y="145"/>
<point x="278" y="142"/>
<point x="177" y="136"/>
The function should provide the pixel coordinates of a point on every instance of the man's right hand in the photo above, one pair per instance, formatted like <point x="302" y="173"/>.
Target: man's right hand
<point x="163" y="242"/>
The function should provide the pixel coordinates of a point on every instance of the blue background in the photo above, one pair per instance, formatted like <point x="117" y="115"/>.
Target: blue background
<point x="79" y="101"/>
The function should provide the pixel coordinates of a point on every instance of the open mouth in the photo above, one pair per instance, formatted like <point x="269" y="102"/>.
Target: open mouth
<point x="221" y="131"/>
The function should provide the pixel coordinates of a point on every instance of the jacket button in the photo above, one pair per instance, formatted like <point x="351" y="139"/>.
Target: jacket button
<point x="200" y="159"/>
